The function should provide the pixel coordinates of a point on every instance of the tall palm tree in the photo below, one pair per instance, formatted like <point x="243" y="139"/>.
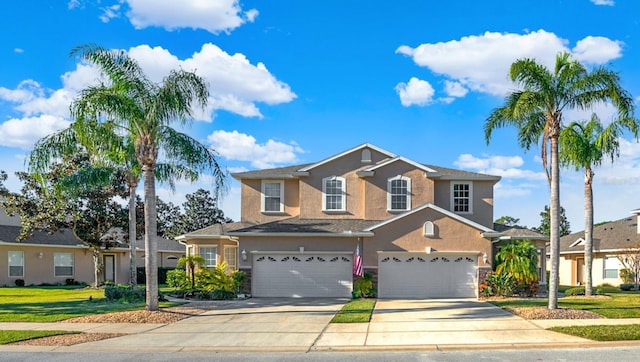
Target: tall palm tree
<point x="537" y="111"/>
<point x="584" y="145"/>
<point x="112" y="158"/>
<point x="144" y="111"/>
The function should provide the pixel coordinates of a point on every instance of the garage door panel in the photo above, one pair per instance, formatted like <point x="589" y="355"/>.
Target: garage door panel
<point x="302" y="275"/>
<point x="426" y="276"/>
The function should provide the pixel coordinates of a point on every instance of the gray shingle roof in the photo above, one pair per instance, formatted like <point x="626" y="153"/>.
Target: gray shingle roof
<point x="518" y="232"/>
<point x="9" y="234"/>
<point x="297" y="225"/>
<point x="219" y="229"/>
<point x="615" y="235"/>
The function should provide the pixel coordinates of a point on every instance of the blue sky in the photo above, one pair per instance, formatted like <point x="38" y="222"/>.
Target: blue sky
<point x="298" y="81"/>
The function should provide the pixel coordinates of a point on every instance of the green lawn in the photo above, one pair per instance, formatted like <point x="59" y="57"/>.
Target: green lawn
<point x="356" y="311"/>
<point x="15" y="336"/>
<point x="629" y="332"/>
<point x="52" y="304"/>
<point x="621" y="304"/>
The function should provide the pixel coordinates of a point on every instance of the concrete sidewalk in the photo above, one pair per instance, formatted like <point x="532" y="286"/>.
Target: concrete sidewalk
<point x="269" y="324"/>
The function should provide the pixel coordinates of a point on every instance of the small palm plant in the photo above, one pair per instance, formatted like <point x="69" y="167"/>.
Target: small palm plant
<point x="519" y="260"/>
<point x="191" y="262"/>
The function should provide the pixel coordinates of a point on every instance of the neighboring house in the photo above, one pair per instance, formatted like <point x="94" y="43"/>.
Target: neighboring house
<point x="54" y="258"/>
<point x="609" y="241"/>
<point x="422" y="231"/>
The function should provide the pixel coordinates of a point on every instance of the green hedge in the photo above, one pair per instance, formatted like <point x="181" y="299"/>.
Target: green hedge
<point x="162" y="275"/>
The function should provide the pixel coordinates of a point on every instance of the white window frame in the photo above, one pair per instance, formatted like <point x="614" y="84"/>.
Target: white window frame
<point x="470" y="197"/>
<point x="56" y="265"/>
<point x="390" y="194"/>
<point x="604" y="267"/>
<point x="231" y="257"/>
<point x="207" y="260"/>
<point x="20" y="258"/>
<point x="263" y="198"/>
<point x="343" y="194"/>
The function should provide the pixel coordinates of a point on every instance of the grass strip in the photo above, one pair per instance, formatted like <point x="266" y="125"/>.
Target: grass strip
<point x="10" y="336"/>
<point x="356" y="311"/>
<point x="623" y="332"/>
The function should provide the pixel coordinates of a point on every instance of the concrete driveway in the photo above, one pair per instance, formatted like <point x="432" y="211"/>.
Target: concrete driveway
<point x="439" y="323"/>
<point x="257" y="324"/>
<point x="280" y="324"/>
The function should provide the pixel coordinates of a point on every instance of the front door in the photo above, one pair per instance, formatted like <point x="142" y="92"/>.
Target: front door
<point x="109" y="268"/>
<point x="580" y="271"/>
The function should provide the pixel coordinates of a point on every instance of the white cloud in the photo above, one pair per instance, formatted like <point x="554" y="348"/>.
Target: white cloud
<point x="25" y="132"/>
<point x="455" y="89"/>
<point x="18" y="50"/>
<point x="242" y="147"/>
<point x="110" y="12"/>
<point x="597" y="50"/>
<point x="504" y="166"/>
<point x="212" y="16"/>
<point x="603" y="2"/>
<point x="416" y="92"/>
<point x="481" y="63"/>
<point x="235" y="84"/>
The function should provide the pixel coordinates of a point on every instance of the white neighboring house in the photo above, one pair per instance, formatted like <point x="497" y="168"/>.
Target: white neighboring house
<point x="610" y="240"/>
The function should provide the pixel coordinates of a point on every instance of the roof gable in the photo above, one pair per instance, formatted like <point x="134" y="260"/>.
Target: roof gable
<point x="342" y="154"/>
<point x="399" y="159"/>
<point x="434" y="208"/>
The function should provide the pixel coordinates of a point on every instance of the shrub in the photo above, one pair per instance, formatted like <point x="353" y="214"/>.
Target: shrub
<point x="363" y="287"/>
<point x="220" y="294"/>
<point x="124" y="294"/>
<point x="177" y="279"/>
<point x="239" y="279"/>
<point x="215" y="279"/>
<point x="162" y="275"/>
<point x="71" y="281"/>
<point x="501" y="284"/>
<point x="19" y="282"/>
<point x="574" y="291"/>
<point x="627" y="287"/>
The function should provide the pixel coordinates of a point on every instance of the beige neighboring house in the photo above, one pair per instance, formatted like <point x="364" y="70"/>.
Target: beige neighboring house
<point x="423" y="231"/>
<point x="609" y="241"/>
<point x="54" y="258"/>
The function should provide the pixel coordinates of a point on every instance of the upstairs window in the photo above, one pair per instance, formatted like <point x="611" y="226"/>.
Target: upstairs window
<point x="399" y="193"/>
<point x="461" y="197"/>
<point x="272" y="196"/>
<point x="334" y="194"/>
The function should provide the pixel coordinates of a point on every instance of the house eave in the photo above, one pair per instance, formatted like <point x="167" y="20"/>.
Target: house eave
<point x="294" y="234"/>
<point x="273" y="176"/>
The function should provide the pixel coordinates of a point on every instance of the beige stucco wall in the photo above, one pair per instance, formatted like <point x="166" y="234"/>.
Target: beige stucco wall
<point x="41" y="270"/>
<point x="482" y="202"/>
<point x="251" y="211"/>
<point x="568" y="269"/>
<point x="407" y="234"/>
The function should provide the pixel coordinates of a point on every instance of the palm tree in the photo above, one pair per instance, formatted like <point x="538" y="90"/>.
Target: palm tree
<point x="191" y="262"/>
<point x="144" y="112"/>
<point x="584" y="145"/>
<point x="520" y="260"/>
<point x="537" y="111"/>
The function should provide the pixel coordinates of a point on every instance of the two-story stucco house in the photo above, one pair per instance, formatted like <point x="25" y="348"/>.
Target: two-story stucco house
<point x="422" y="230"/>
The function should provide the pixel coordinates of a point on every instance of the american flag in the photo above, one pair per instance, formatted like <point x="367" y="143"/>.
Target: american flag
<point x="357" y="263"/>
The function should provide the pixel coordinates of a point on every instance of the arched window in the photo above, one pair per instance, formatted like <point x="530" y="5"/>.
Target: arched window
<point x="399" y="193"/>
<point x="429" y="229"/>
<point x="366" y="156"/>
<point x="334" y="195"/>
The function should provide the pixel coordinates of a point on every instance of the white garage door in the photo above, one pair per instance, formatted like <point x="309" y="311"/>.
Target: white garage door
<point x="302" y="275"/>
<point x="427" y="276"/>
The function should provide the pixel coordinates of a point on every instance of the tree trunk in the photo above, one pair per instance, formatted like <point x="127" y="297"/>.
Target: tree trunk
<point x="133" y="270"/>
<point x="588" y="230"/>
<point x="150" y="236"/>
<point x="97" y="265"/>
<point x="554" y="213"/>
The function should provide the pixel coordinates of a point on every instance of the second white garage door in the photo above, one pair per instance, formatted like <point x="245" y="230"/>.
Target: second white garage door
<point x="427" y="276"/>
<point x="302" y="275"/>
